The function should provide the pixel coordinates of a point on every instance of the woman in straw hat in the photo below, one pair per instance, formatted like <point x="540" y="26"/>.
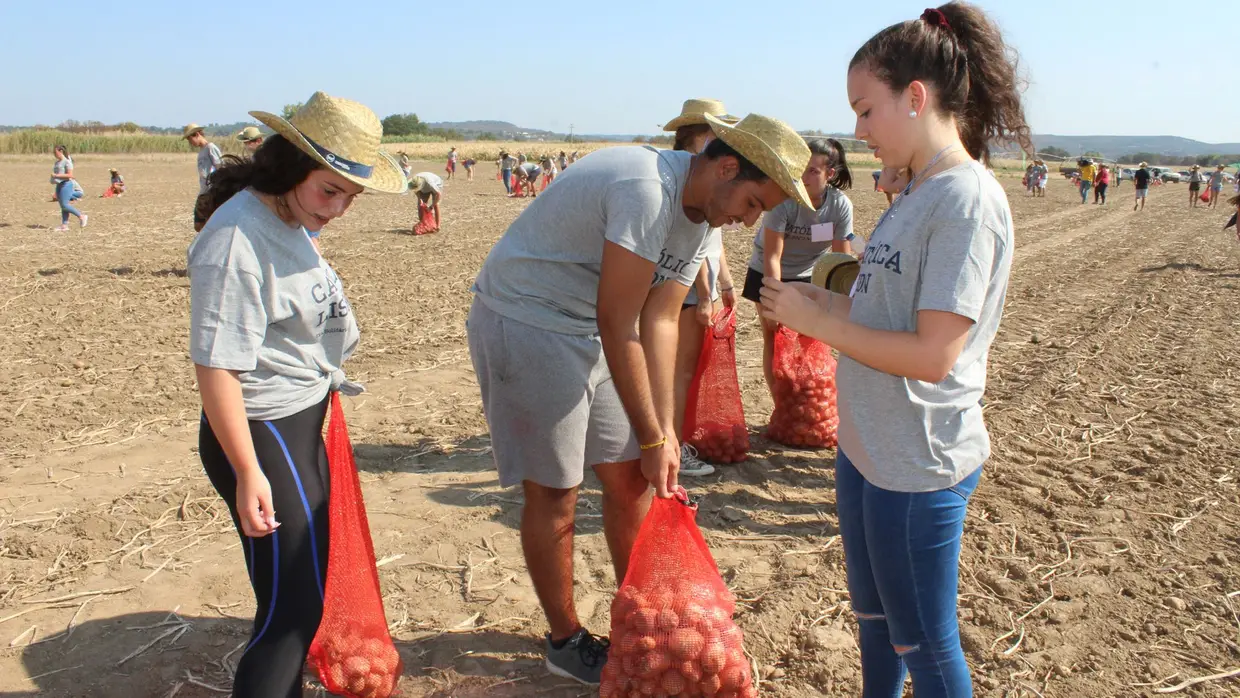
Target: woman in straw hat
<point x="1194" y="185"/>
<point x="712" y="285"/>
<point x="270" y="328"/>
<point x="1141" y="180"/>
<point x="428" y="187"/>
<point x="116" y="187"/>
<point x="930" y="95"/>
<point x="209" y="160"/>
<point x="793" y="239"/>
<point x="572" y="335"/>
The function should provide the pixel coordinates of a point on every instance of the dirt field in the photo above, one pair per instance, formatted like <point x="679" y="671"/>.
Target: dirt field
<point x="1099" y="557"/>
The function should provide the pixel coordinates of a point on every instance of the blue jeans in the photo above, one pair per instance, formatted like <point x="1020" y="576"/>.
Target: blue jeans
<point x="64" y="194"/>
<point x="1085" y="187"/>
<point x="902" y="556"/>
<point x="507" y="174"/>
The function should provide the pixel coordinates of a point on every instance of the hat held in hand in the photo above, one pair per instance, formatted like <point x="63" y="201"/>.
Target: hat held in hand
<point x="343" y="136"/>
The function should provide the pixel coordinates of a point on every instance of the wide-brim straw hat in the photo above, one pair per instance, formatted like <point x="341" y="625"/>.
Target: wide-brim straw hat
<point x="343" y="136"/>
<point x="836" y="272"/>
<point x="694" y="112"/>
<point x="249" y="133"/>
<point x="191" y="129"/>
<point x="773" y="146"/>
<point x="1144" y="164"/>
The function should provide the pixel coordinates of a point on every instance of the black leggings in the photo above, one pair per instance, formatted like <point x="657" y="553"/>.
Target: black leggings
<point x="1100" y="192"/>
<point x="289" y="567"/>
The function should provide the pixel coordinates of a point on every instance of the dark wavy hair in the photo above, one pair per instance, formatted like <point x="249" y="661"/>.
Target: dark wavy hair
<point x="63" y="149"/>
<point x="961" y="54"/>
<point x="276" y="167"/>
<point x="836" y="158"/>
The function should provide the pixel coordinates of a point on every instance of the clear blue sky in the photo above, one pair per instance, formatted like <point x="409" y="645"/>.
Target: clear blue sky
<point x="612" y="67"/>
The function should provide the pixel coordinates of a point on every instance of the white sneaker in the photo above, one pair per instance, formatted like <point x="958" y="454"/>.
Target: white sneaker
<point x="82" y="221"/>
<point x="691" y="465"/>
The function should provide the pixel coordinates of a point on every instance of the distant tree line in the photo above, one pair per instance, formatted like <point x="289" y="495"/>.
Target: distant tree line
<point x="1182" y="160"/>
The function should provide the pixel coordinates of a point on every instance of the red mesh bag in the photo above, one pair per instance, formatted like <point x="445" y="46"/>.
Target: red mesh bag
<point x="352" y="651"/>
<point x="714" y="414"/>
<point x="805" y="408"/>
<point x="672" y="632"/>
<point x="426" y="220"/>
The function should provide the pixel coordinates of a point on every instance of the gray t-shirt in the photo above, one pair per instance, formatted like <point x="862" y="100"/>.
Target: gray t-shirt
<point x="948" y="246"/>
<point x="1216" y="179"/>
<point x="544" y="271"/>
<point x="531" y="170"/>
<point x="807" y="233"/>
<point x="264" y="303"/>
<point x="209" y="159"/>
<point x="712" y="258"/>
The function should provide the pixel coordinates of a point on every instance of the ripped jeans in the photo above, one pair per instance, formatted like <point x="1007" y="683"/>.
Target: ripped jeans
<point x="902" y="556"/>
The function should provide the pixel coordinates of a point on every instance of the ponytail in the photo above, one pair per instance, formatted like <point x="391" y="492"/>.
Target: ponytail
<point x="276" y="167"/>
<point x="64" y="150"/>
<point x="837" y="160"/>
<point x="960" y="53"/>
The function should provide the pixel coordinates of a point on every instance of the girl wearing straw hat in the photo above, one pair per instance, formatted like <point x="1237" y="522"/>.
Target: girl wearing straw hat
<point x="270" y="328"/>
<point x="792" y="239"/>
<point x="1216" y="186"/>
<point x="713" y="282"/>
<point x="429" y="188"/>
<point x="930" y="94"/>
<point x="1194" y="185"/>
<point x="572" y="334"/>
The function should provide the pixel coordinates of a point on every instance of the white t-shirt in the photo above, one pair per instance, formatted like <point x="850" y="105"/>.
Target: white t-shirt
<point x="544" y="271"/>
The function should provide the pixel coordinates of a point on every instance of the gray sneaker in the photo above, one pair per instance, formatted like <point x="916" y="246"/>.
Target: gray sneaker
<point x="691" y="465"/>
<point x="581" y="658"/>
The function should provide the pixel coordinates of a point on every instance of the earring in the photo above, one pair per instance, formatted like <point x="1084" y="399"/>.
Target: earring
<point x="912" y="114"/>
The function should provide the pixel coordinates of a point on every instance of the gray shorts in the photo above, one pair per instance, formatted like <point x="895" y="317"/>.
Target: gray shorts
<point x="549" y="401"/>
<point x="1142" y="193"/>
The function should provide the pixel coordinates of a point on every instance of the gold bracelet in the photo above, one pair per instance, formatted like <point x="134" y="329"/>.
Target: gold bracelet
<point x="658" y="444"/>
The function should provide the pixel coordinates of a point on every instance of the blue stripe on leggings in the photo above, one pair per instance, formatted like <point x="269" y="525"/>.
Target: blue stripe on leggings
<point x="275" y="586"/>
<point x="305" y="503"/>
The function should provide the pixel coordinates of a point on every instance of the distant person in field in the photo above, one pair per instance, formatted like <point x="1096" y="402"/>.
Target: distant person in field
<point x="1216" y="186"/>
<point x="209" y="160"/>
<point x="712" y="285"/>
<point x="405" y="165"/>
<point x="429" y="188"/>
<point x="1040" y="175"/>
<point x="270" y="330"/>
<point x="550" y="171"/>
<point x="563" y="161"/>
<point x="1119" y="175"/>
<point x="116" y="188"/>
<point x="507" y="164"/>
<point x="1141" y="180"/>
<point x="251" y="137"/>
<point x="1086" y="178"/>
<point x="66" y="189"/>
<point x="452" y="160"/>
<point x="1194" y="185"/>
<point x="527" y="173"/>
<point x="572" y="334"/>
<point x="574" y="157"/>
<point x="468" y="164"/>
<point x="1102" y="180"/>
<point x="1027" y="180"/>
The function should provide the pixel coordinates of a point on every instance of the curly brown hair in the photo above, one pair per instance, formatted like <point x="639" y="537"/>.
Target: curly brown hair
<point x="960" y="53"/>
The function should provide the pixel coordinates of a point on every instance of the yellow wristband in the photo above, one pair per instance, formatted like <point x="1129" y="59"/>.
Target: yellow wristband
<point x="657" y="444"/>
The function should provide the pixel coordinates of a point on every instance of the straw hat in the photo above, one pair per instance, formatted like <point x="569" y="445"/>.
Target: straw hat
<point x="191" y="130"/>
<point x="1144" y="164"/>
<point x="343" y="136"/>
<point x="772" y="146"/>
<point x="694" y="112"/>
<point x="249" y="133"/>
<point x="836" y="272"/>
